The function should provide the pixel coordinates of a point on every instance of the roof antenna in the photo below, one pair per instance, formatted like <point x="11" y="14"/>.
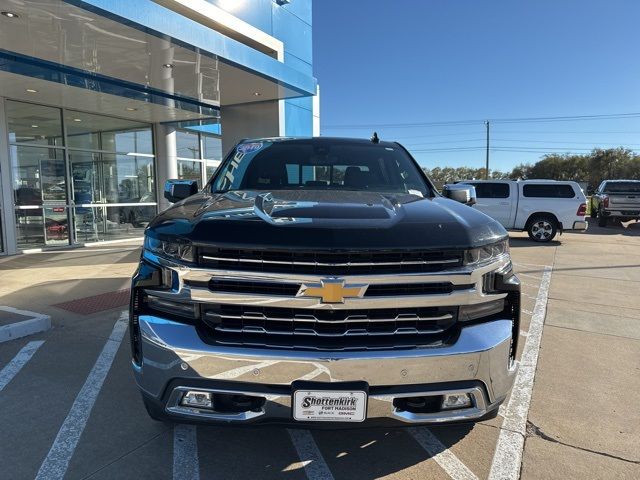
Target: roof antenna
<point x="374" y="138"/>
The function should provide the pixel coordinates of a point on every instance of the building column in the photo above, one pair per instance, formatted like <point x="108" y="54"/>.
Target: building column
<point x="7" y="214"/>
<point x="166" y="160"/>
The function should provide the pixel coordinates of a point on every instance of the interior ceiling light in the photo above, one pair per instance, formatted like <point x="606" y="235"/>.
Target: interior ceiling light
<point x="167" y="65"/>
<point x="32" y="90"/>
<point x="10" y="14"/>
<point x="77" y="119"/>
<point x="34" y="126"/>
<point x="131" y="109"/>
<point x="257" y="94"/>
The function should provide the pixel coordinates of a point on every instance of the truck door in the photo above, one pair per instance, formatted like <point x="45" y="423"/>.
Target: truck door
<point x="496" y="200"/>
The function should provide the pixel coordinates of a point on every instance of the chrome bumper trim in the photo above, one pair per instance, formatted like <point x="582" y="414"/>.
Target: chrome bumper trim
<point x="173" y="350"/>
<point x="382" y="405"/>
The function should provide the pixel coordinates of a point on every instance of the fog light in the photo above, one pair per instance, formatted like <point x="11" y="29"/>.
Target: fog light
<point x="197" y="399"/>
<point x="455" y="400"/>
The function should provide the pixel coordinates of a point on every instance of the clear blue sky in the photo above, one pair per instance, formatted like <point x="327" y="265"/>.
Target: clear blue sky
<point x="382" y="62"/>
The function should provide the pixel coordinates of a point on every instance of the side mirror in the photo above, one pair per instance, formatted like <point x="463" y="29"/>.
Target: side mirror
<point x="176" y="190"/>
<point x="460" y="193"/>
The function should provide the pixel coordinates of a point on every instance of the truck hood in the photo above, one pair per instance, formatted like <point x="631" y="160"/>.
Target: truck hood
<point x="325" y="220"/>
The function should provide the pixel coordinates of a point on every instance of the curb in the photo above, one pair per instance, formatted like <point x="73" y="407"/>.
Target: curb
<point x="36" y="323"/>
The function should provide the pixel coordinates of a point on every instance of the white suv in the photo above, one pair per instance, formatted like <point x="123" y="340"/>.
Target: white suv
<point x="539" y="207"/>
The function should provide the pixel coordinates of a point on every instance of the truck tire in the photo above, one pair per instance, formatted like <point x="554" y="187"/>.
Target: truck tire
<point x="602" y="220"/>
<point x="542" y="228"/>
<point x="593" y="212"/>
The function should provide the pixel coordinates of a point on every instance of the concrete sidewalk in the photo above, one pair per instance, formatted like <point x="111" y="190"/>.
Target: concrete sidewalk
<point x="584" y="420"/>
<point x="49" y="283"/>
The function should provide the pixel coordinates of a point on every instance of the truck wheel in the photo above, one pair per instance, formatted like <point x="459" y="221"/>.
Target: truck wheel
<point x="593" y="212"/>
<point x="542" y="229"/>
<point x="602" y="220"/>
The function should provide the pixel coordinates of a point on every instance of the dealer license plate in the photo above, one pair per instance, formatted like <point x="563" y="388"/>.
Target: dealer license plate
<point x="329" y="406"/>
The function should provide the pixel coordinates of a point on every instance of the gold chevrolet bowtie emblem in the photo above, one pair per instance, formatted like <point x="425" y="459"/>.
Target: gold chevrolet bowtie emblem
<point x="332" y="290"/>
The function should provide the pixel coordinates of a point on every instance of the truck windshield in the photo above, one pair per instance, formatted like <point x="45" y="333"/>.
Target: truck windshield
<point x="300" y="165"/>
<point x="622" y="187"/>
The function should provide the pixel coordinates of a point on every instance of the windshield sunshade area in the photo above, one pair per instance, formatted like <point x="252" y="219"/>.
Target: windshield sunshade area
<point x="313" y="165"/>
<point x="622" y="187"/>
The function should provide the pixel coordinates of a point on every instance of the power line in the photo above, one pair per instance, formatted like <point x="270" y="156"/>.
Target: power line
<point x="563" y="118"/>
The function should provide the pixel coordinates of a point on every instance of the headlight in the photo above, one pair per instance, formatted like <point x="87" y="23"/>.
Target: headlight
<point x="175" y="250"/>
<point x="486" y="254"/>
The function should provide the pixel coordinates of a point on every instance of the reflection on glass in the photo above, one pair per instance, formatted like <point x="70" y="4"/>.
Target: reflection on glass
<point x="190" y="170"/>
<point x="138" y="141"/>
<point x="212" y="147"/>
<point x="111" y="223"/>
<point x="109" y="178"/>
<point x="39" y="227"/>
<point x="98" y="132"/>
<point x="187" y="144"/>
<point x="38" y="175"/>
<point x="29" y="228"/>
<point x="34" y="124"/>
<point x="212" y="166"/>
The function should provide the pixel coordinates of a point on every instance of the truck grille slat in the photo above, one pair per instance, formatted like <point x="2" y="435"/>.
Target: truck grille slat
<point x="328" y="329"/>
<point x="291" y="289"/>
<point x="329" y="263"/>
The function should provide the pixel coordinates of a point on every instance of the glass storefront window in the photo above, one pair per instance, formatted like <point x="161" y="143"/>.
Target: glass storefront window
<point x="97" y="132"/>
<point x="34" y="124"/>
<point x="38" y="175"/>
<point x="110" y="178"/>
<point x="38" y="227"/>
<point x="100" y="223"/>
<point x="187" y="145"/>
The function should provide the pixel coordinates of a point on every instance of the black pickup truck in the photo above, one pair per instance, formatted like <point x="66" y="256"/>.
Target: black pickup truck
<point x="323" y="280"/>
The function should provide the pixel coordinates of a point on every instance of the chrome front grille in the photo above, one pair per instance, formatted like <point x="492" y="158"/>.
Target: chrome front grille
<point x="292" y="288"/>
<point x="242" y="306"/>
<point x="329" y="263"/>
<point x="329" y="329"/>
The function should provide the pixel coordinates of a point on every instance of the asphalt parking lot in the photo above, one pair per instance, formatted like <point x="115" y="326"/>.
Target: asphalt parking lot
<point x="69" y="407"/>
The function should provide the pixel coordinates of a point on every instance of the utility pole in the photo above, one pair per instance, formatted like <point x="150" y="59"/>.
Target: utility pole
<point x="486" y="172"/>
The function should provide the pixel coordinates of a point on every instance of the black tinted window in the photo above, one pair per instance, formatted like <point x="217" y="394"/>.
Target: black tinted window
<point x="491" y="190"/>
<point x="622" y="187"/>
<point x="309" y="165"/>
<point x="548" y="190"/>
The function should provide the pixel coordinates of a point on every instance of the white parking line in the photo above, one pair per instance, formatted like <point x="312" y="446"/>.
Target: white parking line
<point x="443" y="457"/>
<point x="186" y="465"/>
<point x="314" y="465"/>
<point x="508" y="456"/>
<point x="57" y="461"/>
<point x="12" y="368"/>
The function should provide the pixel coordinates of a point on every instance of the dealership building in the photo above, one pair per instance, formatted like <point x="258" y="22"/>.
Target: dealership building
<point x="101" y="101"/>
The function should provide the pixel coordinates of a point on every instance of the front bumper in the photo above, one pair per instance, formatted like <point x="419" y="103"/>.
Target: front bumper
<point x="174" y="359"/>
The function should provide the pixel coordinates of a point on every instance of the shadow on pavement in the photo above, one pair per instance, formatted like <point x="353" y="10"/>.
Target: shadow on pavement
<point x="353" y="453"/>
<point x="631" y="229"/>
<point x="517" y="242"/>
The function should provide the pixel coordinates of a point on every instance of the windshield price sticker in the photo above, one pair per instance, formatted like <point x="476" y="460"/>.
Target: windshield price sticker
<point x="326" y="406"/>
